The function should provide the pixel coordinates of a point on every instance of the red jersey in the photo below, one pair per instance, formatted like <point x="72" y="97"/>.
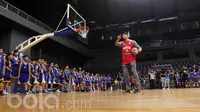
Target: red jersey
<point x="127" y="56"/>
<point x="132" y="81"/>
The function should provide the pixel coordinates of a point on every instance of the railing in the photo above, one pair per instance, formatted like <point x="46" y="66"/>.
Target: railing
<point x="24" y="15"/>
<point x="172" y="42"/>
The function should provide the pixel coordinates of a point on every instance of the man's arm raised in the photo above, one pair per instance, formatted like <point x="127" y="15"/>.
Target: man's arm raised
<point x="117" y="43"/>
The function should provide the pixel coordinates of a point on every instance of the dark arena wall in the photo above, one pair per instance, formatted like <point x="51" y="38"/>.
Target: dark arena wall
<point x="57" y="53"/>
<point x="166" y="54"/>
<point x="12" y="34"/>
<point x="101" y="52"/>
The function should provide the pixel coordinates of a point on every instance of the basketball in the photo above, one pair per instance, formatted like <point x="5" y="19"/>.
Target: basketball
<point x="78" y="30"/>
<point x="134" y="51"/>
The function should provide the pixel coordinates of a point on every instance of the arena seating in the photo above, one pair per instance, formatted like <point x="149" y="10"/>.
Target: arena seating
<point x="143" y="68"/>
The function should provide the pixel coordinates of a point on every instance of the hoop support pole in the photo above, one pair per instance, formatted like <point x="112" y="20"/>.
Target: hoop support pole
<point x="66" y="12"/>
<point x="37" y="40"/>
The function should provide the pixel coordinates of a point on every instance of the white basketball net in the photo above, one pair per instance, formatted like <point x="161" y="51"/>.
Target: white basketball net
<point x="84" y="34"/>
<point x="84" y="31"/>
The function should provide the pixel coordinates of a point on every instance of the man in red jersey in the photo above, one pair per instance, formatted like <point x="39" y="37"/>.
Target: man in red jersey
<point x="129" y="60"/>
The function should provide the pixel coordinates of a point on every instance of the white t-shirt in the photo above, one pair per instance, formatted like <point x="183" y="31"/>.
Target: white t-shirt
<point x="152" y="75"/>
<point x="21" y="57"/>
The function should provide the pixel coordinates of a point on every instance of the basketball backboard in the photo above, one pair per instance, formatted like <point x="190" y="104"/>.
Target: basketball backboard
<point x="73" y="20"/>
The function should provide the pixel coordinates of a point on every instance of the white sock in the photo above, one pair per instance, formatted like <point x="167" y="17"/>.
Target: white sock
<point x="34" y="88"/>
<point x="51" y="88"/>
<point x="8" y="89"/>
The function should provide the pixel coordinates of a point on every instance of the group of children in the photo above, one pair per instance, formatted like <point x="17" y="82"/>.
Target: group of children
<point x="88" y="82"/>
<point x="192" y="78"/>
<point x="39" y="77"/>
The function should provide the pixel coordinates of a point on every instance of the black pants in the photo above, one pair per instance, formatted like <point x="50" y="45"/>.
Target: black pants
<point x="184" y="79"/>
<point x="158" y="84"/>
<point x="132" y="86"/>
<point x="176" y="84"/>
<point x="108" y="85"/>
<point x="152" y="83"/>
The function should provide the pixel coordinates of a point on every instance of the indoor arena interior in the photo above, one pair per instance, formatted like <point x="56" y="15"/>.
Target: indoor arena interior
<point x="99" y="55"/>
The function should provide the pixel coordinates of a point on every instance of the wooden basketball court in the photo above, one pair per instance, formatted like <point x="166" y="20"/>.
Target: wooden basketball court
<point x="176" y="100"/>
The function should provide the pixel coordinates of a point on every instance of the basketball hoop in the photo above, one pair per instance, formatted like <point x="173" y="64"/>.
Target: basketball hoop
<point x="83" y="31"/>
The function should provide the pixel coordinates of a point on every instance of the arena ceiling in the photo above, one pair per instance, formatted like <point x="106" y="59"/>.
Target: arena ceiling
<point x="105" y="12"/>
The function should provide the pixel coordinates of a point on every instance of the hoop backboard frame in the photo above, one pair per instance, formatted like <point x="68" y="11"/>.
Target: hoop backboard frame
<point x="73" y="22"/>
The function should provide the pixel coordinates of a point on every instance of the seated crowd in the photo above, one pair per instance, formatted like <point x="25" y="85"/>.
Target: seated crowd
<point x="175" y="75"/>
<point x="165" y="76"/>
